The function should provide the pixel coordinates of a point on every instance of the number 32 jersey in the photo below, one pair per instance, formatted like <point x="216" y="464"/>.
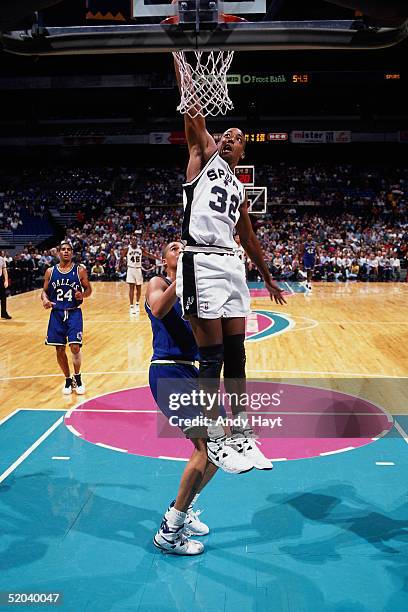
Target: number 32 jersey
<point x="62" y="287"/>
<point x="211" y="205"/>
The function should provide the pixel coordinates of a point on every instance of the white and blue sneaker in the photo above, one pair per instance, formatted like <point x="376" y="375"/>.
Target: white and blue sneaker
<point x="247" y="445"/>
<point x="229" y="458"/>
<point x="193" y="526"/>
<point x="173" y="541"/>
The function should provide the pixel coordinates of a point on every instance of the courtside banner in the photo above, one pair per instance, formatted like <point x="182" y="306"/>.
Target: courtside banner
<point x="320" y="136"/>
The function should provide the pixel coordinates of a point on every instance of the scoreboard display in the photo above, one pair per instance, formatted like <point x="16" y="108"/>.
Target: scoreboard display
<point x="246" y="174"/>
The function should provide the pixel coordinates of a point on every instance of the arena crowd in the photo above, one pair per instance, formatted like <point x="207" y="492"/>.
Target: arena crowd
<point x="357" y="216"/>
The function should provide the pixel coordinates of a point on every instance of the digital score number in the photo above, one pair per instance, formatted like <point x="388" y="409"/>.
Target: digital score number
<point x="246" y="174"/>
<point x="302" y="78"/>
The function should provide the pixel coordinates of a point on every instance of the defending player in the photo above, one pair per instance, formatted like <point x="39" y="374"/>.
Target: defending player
<point x="309" y="255"/>
<point x="65" y="287"/>
<point x="211" y="280"/>
<point x="134" y="275"/>
<point x="174" y="354"/>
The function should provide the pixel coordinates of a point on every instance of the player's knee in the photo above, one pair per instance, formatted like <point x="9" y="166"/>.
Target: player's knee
<point x="60" y="350"/>
<point x="211" y="359"/>
<point x="234" y="356"/>
<point x="75" y="349"/>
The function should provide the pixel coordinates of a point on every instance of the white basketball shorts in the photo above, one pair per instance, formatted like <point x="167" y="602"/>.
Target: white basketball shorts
<point x="212" y="285"/>
<point x="135" y="276"/>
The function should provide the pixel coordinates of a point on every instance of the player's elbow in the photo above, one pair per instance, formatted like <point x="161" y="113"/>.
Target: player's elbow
<point x="157" y="312"/>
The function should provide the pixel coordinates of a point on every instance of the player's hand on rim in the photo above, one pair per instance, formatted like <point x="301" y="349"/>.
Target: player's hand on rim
<point x="275" y="292"/>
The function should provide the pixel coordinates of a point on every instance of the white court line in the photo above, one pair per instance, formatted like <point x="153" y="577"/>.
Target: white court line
<point x="84" y="373"/>
<point x="73" y="430"/>
<point x="121" y="411"/>
<point x="384" y="463"/>
<point x="359" y="374"/>
<point x="291" y="291"/>
<point x="301" y="372"/>
<point x="401" y="431"/>
<point x="95" y="321"/>
<point x="6" y="418"/>
<point x="61" y="458"/>
<point x="32" y="448"/>
<point x="172" y="458"/>
<point x="340" y="450"/>
<point x="44" y="409"/>
<point x="363" y="322"/>
<point x="114" y="448"/>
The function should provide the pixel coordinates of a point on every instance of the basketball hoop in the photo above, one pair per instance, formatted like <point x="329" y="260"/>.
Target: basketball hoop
<point x="203" y="77"/>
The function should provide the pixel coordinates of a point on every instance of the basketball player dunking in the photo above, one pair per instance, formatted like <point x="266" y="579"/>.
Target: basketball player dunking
<point x="65" y="287"/>
<point x="211" y="280"/>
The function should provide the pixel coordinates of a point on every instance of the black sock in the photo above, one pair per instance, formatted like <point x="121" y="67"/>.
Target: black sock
<point x="68" y="381"/>
<point x="78" y="379"/>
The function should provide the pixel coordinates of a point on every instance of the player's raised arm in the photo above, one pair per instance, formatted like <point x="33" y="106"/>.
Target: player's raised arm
<point x="160" y="297"/>
<point x="201" y="144"/>
<point x="252" y="247"/>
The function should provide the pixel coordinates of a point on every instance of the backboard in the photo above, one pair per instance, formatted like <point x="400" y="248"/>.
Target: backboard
<point x="267" y="25"/>
<point x="257" y="199"/>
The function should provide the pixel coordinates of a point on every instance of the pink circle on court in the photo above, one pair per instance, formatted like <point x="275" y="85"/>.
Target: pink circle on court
<point x="315" y="422"/>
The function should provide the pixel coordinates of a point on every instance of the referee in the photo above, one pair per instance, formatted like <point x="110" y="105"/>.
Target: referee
<point x="3" y="286"/>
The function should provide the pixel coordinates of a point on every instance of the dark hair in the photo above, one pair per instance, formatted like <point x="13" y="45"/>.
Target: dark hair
<point x="68" y="242"/>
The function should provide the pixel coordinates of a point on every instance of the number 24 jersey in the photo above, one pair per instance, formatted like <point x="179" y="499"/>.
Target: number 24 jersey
<point x="62" y="287"/>
<point x="211" y="205"/>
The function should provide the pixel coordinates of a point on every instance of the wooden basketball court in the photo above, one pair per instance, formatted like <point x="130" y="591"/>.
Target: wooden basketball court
<point x="338" y="331"/>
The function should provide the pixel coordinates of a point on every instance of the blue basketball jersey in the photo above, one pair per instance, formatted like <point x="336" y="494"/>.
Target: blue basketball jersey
<point x="62" y="287"/>
<point x="310" y="250"/>
<point x="172" y="335"/>
<point x="309" y="254"/>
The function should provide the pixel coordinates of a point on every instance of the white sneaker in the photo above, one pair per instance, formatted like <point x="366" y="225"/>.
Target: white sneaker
<point x="137" y="308"/>
<point x="248" y="446"/>
<point x="67" y="389"/>
<point x="80" y="390"/>
<point x="175" y="542"/>
<point x="193" y="526"/>
<point x="227" y="458"/>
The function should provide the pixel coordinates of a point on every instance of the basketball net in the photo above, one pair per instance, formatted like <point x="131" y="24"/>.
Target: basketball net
<point x="203" y="86"/>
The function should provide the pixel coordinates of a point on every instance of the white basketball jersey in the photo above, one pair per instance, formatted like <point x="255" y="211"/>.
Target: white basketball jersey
<point x="211" y="205"/>
<point x="134" y="257"/>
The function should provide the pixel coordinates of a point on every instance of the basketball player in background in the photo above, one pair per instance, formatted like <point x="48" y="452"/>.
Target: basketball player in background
<point x="211" y="280"/>
<point x="309" y="255"/>
<point x="134" y="276"/>
<point x="65" y="287"/>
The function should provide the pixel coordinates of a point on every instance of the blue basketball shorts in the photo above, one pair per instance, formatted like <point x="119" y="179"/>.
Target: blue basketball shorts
<point x="167" y="382"/>
<point x="309" y="263"/>
<point x="63" y="326"/>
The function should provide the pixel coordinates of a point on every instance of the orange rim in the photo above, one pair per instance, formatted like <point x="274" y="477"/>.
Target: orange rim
<point x="223" y="17"/>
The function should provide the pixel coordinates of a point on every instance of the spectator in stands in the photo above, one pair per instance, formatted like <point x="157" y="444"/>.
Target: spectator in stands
<point x="97" y="271"/>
